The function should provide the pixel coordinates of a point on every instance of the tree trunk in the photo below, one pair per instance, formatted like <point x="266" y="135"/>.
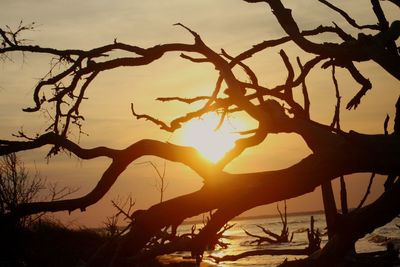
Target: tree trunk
<point x="353" y="226"/>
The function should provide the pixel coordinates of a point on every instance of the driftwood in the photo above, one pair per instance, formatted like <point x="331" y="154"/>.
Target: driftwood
<point x="314" y="243"/>
<point x="261" y="252"/>
<point x="271" y="237"/>
<point x="166" y="242"/>
<point x="314" y="237"/>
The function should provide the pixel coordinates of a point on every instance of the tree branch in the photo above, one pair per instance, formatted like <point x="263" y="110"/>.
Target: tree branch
<point x="261" y="252"/>
<point x="367" y="192"/>
<point x="304" y="91"/>
<point x="363" y="49"/>
<point x="255" y="189"/>
<point x="184" y="100"/>
<point x="349" y="19"/>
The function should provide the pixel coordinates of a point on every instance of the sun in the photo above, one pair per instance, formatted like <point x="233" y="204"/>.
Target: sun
<point x="202" y="134"/>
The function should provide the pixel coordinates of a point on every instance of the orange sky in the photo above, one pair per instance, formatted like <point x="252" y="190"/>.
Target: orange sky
<point x="232" y="25"/>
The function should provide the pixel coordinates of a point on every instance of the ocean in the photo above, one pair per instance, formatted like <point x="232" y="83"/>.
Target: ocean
<point x="240" y="242"/>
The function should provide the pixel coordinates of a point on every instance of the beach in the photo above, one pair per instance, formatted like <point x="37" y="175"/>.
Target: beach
<point x="240" y="242"/>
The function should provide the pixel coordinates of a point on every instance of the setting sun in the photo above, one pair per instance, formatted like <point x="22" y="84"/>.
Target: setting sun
<point x="201" y="134"/>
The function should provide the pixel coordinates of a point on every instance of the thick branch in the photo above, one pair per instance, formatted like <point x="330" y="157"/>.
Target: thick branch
<point x="7" y="147"/>
<point x="272" y="43"/>
<point x="121" y="159"/>
<point x="255" y="189"/>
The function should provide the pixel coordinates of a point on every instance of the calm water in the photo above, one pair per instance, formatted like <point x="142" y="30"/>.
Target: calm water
<point x="240" y="242"/>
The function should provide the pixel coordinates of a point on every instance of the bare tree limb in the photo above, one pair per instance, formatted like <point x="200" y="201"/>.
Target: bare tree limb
<point x="349" y="19"/>
<point x="364" y="48"/>
<point x="366" y="85"/>
<point x="184" y="100"/>
<point x="261" y="252"/>
<point x="305" y="92"/>
<point x="383" y="23"/>
<point x="343" y="196"/>
<point x="396" y="2"/>
<point x="368" y="191"/>
<point x="385" y="124"/>
<point x="336" y="118"/>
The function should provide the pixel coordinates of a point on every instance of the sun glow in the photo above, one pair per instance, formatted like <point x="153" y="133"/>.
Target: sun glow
<point x="201" y="134"/>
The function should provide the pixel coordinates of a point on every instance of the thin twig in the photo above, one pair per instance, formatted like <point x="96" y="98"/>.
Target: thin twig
<point x="371" y="179"/>
<point x="336" y="117"/>
<point x="349" y="19"/>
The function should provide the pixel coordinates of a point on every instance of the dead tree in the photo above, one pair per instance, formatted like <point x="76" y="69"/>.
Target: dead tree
<point x="271" y="237"/>
<point x="314" y="244"/>
<point x="334" y="152"/>
<point x="314" y="238"/>
<point x="18" y="186"/>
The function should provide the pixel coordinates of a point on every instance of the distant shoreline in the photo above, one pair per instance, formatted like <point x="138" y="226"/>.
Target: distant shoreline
<point x="266" y="216"/>
<point x="298" y="213"/>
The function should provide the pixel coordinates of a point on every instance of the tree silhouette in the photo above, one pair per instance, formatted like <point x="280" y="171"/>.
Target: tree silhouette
<point x="16" y="185"/>
<point x="335" y="152"/>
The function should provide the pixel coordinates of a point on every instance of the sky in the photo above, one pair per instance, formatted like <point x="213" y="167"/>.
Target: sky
<point x="230" y="24"/>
